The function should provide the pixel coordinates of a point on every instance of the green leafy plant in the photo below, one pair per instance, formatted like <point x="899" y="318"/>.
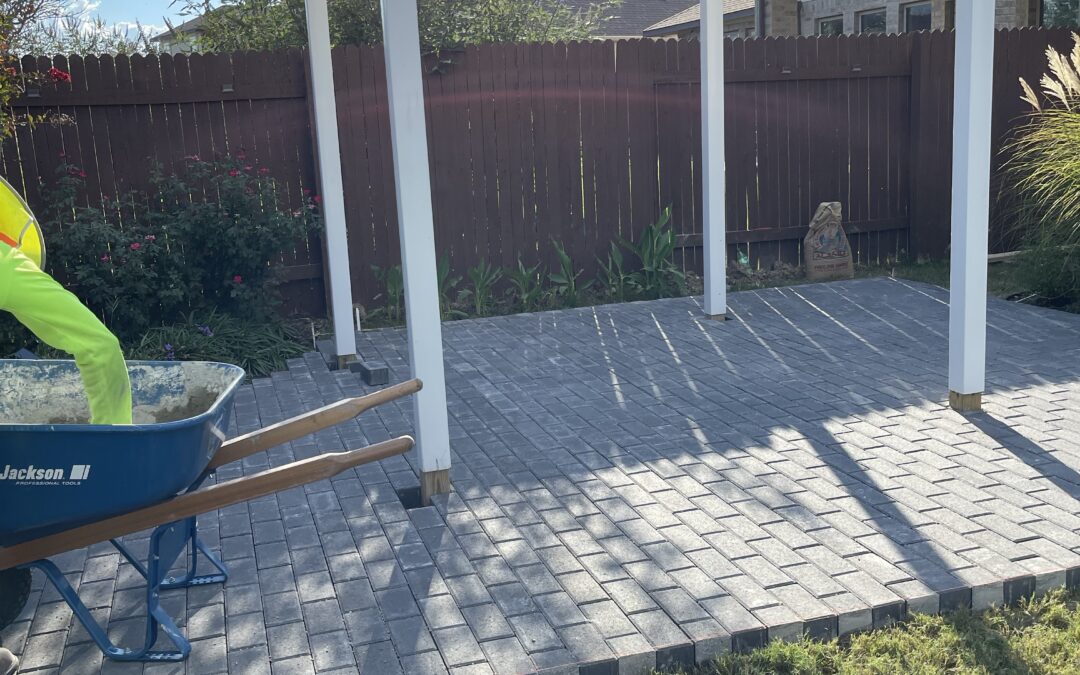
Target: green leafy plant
<point x="1044" y="168"/>
<point x="483" y="277"/>
<point x="202" y="239"/>
<point x="566" y="287"/>
<point x="231" y="25"/>
<point x="447" y="285"/>
<point x="616" y="280"/>
<point x="658" y="276"/>
<point x="393" y="283"/>
<point x="258" y="347"/>
<point x="526" y="286"/>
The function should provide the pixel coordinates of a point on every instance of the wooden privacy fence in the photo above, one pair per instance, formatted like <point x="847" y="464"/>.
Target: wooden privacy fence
<point x="578" y="143"/>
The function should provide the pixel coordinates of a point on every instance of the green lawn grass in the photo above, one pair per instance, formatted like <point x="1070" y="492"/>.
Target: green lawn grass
<point x="1001" y="279"/>
<point x="1036" y="637"/>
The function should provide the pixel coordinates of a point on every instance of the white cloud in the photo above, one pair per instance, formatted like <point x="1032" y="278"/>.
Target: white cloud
<point x="85" y="6"/>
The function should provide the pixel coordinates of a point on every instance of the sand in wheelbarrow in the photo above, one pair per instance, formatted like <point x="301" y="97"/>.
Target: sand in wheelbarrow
<point x="55" y="395"/>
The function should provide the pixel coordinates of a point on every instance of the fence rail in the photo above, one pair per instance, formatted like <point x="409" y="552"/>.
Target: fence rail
<point x="580" y="143"/>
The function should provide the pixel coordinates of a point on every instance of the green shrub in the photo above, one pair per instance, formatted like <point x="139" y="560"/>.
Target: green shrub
<point x="1044" y="169"/>
<point x="526" y="286"/>
<point x="483" y="278"/>
<point x="658" y="277"/>
<point x="566" y="284"/>
<point x="193" y="242"/>
<point x="616" y="281"/>
<point x="448" y="283"/>
<point x="393" y="282"/>
<point x="1049" y="270"/>
<point x="256" y="346"/>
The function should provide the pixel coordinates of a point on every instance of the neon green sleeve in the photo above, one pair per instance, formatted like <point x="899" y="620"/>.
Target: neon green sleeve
<point x="59" y="320"/>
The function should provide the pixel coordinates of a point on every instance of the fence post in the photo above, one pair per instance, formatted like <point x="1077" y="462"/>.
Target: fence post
<point x="416" y="228"/>
<point x="712" y="175"/>
<point x="324" y="104"/>
<point x="972" y="109"/>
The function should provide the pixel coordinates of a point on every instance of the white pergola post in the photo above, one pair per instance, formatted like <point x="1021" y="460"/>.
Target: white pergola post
<point x="408" y="131"/>
<point x="712" y="172"/>
<point x="333" y="194"/>
<point x="972" y="105"/>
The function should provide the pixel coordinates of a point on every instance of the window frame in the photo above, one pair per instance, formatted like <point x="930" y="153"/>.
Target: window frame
<point x="911" y="5"/>
<point x="830" y="19"/>
<point x="866" y="12"/>
<point x="1042" y="17"/>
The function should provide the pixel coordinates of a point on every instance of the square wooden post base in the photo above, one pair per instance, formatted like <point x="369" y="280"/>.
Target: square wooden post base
<point x="433" y="483"/>
<point x="965" y="403"/>
<point x="344" y="361"/>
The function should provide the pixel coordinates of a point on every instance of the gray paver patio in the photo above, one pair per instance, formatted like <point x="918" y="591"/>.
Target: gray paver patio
<point x="636" y="485"/>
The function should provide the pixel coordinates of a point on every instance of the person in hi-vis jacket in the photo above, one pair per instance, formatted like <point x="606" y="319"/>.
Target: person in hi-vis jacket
<point x="56" y="316"/>
<point x="59" y="320"/>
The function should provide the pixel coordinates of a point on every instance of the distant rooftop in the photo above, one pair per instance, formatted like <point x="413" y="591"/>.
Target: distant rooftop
<point x="189" y="26"/>
<point x="691" y="17"/>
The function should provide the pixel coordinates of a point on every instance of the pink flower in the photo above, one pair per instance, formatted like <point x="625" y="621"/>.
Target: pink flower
<point x="317" y="199"/>
<point x="234" y="173"/>
<point x="238" y="279"/>
<point x="150" y="237"/>
<point x="247" y="168"/>
<point x="264" y="171"/>
<point x="136" y="246"/>
<point x="106" y="258"/>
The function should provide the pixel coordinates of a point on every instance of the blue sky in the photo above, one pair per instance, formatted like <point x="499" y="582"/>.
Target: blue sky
<point x="126" y="12"/>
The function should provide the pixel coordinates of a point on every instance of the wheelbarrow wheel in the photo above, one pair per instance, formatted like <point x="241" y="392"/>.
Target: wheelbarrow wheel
<point x="14" y="591"/>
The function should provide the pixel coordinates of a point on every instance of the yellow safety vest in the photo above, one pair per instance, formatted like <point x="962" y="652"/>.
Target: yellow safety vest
<point x="18" y="226"/>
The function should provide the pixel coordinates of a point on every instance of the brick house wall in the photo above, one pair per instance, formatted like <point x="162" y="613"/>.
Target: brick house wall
<point x="1010" y="13"/>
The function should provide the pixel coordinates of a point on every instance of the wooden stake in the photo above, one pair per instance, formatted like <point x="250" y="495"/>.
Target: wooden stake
<point x="433" y="483"/>
<point x="965" y="403"/>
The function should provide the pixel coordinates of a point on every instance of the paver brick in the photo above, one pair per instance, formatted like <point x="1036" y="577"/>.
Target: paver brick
<point x="487" y="622"/>
<point x="775" y="487"/>
<point x="507" y="656"/>
<point x="458" y="646"/>
<point x="410" y="636"/>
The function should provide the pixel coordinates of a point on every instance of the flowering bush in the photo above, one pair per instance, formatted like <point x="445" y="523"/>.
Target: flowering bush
<point x="13" y="83"/>
<point x="202" y="240"/>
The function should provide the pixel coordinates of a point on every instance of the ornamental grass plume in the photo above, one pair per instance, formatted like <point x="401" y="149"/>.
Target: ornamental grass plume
<point x="1044" y="166"/>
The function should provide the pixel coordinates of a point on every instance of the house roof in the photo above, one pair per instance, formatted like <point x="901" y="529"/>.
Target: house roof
<point x="691" y="17"/>
<point x="189" y="26"/>
<point x="632" y="17"/>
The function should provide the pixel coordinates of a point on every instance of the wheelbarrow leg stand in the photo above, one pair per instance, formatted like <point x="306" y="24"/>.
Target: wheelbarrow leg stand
<point x="191" y="577"/>
<point x="167" y="543"/>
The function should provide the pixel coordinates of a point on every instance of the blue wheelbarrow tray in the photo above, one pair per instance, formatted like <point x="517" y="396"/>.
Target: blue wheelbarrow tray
<point x="57" y="470"/>
<point x="66" y="484"/>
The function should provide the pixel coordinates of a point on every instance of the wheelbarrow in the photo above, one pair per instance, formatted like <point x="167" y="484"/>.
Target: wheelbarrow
<point x="66" y="484"/>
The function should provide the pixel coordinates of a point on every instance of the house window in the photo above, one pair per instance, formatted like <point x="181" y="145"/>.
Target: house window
<point x="872" y="21"/>
<point x="834" y="25"/>
<point x="1060" y="13"/>
<point x="917" y="16"/>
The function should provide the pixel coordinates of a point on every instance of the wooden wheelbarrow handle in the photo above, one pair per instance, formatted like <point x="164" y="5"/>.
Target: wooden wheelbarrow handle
<point x="308" y="423"/>
<point x="193" y="503"/>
